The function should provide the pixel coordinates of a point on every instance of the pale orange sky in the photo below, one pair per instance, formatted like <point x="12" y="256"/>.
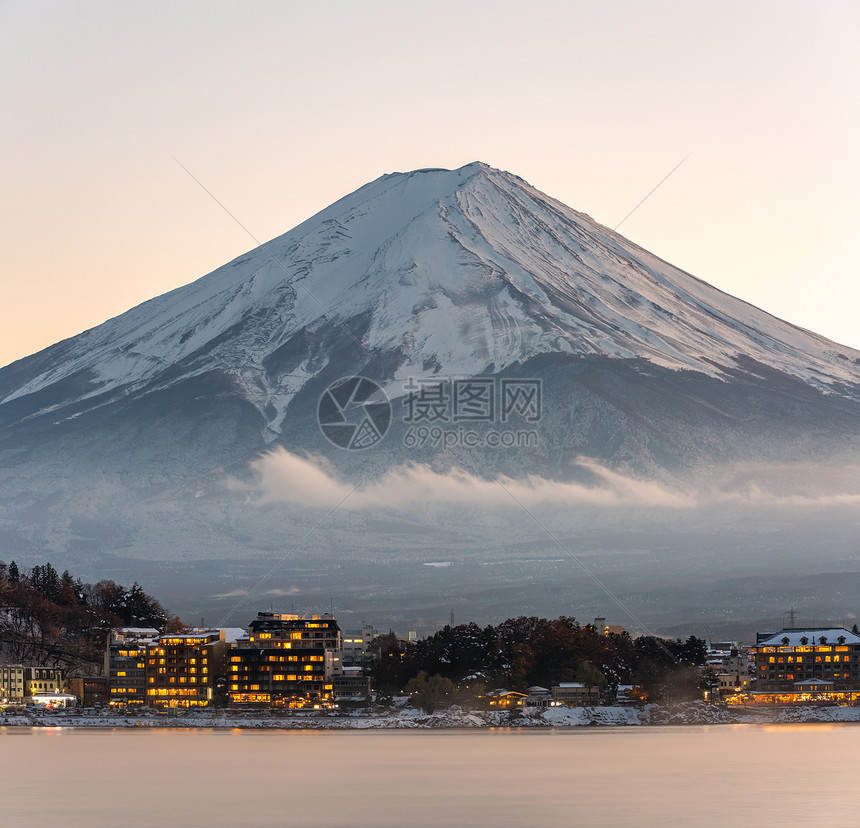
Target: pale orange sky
<point x="280" y="109"/>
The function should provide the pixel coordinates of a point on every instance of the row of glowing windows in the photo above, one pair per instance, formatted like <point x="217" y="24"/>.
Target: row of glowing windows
<point x="182" y="680"/>
<point x="235" y="687"/>
<point x="185" y="660"/>
<point x="140" y="666"/>
<point x="791" y="659"/>
<point x="249" y="697"/>
<point x="296" y="658"/>
<point x="132" y="653"/>
<point x="295" y="636"/>
<point x="790" y="676"/>
<point x="173" y="691"/>
<point x="238" y="659"/>
<point x="276" y="645"/>
<point x="284" y="677"/>
<point x="125" y="690"/>
<point x="187" y="641"/>
<point x="234" y="668"/>
<point x="817" y="648"/>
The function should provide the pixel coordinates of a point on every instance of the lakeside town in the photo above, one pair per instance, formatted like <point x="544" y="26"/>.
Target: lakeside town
<point x="307" y="670"/>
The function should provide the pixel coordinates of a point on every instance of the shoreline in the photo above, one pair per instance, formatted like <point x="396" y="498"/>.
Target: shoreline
<point x="693" y="713"/>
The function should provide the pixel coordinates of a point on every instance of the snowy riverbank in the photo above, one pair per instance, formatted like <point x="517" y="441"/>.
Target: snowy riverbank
<point x="695" y="713"/>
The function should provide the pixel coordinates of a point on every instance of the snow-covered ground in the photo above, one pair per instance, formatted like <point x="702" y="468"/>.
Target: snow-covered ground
<point x="695" y="713"/>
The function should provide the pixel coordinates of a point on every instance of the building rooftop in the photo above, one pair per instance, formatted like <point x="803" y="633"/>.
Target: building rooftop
<point x="813" y="635"/>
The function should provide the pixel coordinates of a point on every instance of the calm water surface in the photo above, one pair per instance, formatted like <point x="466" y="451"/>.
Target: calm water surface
<point x="645" y="776"/>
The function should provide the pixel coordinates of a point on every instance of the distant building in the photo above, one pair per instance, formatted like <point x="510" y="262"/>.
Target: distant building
<point x="286" y="661"/>
<point x="628" y="694"/>
<point x="11" y="683"/>
<point x="603" y="628"/>
<point x="538" y="697"/>
<point x="733" y="671"/>
<point x="505" y="699"/>
<point x="351" y="686"/>
<point x="43" y="680"/>
<point x="126" y="664"/>
<point x="798" y="665"/>
<point x="356" y="645"/>
<point x="182" y="668"/>
<point x="89" y="690"/>
<point x="574" y="693"/>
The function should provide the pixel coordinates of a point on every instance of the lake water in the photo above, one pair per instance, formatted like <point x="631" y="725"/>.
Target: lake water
<point x="792" y="775"/>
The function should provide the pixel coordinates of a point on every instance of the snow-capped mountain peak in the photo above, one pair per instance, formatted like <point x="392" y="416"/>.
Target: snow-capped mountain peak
<point x="458" y="272"/>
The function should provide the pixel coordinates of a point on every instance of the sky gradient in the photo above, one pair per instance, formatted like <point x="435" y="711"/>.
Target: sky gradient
<point x="280" y="109"/>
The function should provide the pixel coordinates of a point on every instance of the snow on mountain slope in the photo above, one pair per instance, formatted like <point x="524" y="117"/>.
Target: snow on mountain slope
<point x="459" y="272"/>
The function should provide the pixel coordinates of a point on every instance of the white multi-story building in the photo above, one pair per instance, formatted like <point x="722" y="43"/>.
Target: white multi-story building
<point x="356" y="645"/>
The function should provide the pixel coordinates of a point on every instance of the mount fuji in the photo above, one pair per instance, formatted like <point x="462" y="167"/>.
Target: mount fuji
<point x="147" y="441"/>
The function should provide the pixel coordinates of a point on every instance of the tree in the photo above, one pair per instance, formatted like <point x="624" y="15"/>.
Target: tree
<point x="143" y="610"/>
<point x="692" y="651"/>
<point x="427" y="693"/>
<point x="59" y="621"/>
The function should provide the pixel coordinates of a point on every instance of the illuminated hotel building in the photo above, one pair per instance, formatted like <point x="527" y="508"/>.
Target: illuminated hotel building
<point x="126" y="664"/>
<point x="795" y="663"/>
<point x="286" y="661"/>
<point x="181" y="668"/>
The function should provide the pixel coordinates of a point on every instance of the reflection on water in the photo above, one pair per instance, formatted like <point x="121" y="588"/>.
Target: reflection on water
<point x="643" y="776"/>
